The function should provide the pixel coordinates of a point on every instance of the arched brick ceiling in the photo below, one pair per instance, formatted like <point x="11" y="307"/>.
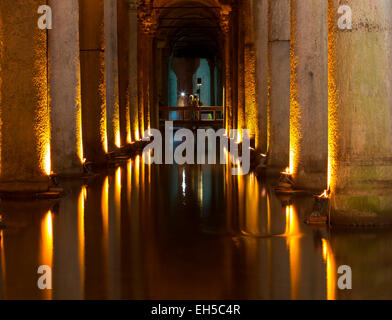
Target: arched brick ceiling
<point x="190" y="27"/>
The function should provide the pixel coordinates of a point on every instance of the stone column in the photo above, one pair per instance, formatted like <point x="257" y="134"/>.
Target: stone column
<point x="250" y="108"/>
<point x="225" y="23"/>
<point x="123" y="66"/>
<point x="112" y="76"/>
<point x="133" y="67"/>
<point x="140" y="80"/>
<point x="25" y="123"/>
<point x="148" y="23"/>
<point x="360" y="113"/>
<point x="65" y="97"/>
<point x="261" y="43"/>
<point x="240" y="61"/>
<point x="92" y="64"/>
<point x="278" y="114"/>
<point x="309" y="94"/>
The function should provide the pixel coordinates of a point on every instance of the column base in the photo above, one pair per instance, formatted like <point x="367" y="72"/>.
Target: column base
<point x="314" y="181"/>
<point x="361" y="210"/>
<point x="25" y="186"/>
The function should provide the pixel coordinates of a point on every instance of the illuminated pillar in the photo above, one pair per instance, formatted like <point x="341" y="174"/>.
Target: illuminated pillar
<point x="278" y="113"/>
<point x="240" y="61"/>
<point x="148" y="26"/>
<point x="309" y="94"/>
<point x="65" y="97"/>
<point x="112" y="76"/>
<point x="133" y="62"/>
<point x="225" y="23"/>
<point x="92" y="64"/>
<point x="360" y="114"/>
<point x="140" y="80"/>
<point x="261" y="42"/>
<point x="25" y="123"/>
<point x="250" y="107"/>
<point x="123" y="69"/>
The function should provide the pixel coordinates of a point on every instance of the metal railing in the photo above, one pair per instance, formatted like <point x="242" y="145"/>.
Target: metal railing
<point x="192" y="114"/>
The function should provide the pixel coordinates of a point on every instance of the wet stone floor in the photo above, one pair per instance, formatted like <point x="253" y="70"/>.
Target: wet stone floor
<point x="183" y="232"/>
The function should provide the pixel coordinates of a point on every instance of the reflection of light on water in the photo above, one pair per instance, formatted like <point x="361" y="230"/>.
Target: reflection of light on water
<point x="137" y="171"/>
<point x="47" y="246"/>
<point x="117" y="194"/>
<point x="2" y="257"/>
<point x="129" y="180"/>
<point x="268" y="213"/>
<point x="293" y="242"/>
<point x="183" y="185"/>
<point x="81" y="210"/>
<point x="251" y="205"/>
<point x="200" y="187"/>
<point x="105" y="208"/>
<point x="329" y="259"/>
<point x="118" y="178"/>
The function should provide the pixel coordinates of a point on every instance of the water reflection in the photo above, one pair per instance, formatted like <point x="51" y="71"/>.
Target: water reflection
<point x="46" y="248"/>
<point x="143" y="231"/>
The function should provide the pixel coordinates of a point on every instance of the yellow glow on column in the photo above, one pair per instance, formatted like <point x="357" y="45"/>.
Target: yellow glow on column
<point x="291" y="163"/>
<point x="42" y="116"/>
<point x="293" y="236"/>
<point x="333" y="129"/>
<point x="79" y="137"/>
<point x="43" y="133"/>
<point x="79" y="130"/>
<point x="116" y="125"/>
<point x="329" y="259"/>
<point x="103" y="113"/>
<point x="104" y="136"/>
<point x="295" y="108"/>
<point x="128" y="121"/>
<point x="46" y="247"/>
<point x="137" y="137"/>
<point x="118" y="139"/>
<point x="47" y="160"/>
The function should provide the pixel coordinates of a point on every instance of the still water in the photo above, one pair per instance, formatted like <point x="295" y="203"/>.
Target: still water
<point x="183" y="232"/>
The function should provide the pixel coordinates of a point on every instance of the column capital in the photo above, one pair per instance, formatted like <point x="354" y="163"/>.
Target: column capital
<point x="147" y="18"/>
<point x="224" y="20"/>
<point x="133" y="4"/>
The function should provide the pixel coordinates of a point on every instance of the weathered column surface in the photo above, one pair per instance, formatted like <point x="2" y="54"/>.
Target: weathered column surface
<point x="133" y="62"/>
<point x="25" y="128"/>
<point x="123" y="69"/>
<point x="278" y="116"/>
<point x="360" y="113"/>
<point x="226" y="24"/>
<point x="65" y="96"/>
<point x="92" y="63"/>
<point x="309" y="93"/>
<point x="261" y="39"/>
<point x="250" y="108"/>
<point x="112" y="76"/>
